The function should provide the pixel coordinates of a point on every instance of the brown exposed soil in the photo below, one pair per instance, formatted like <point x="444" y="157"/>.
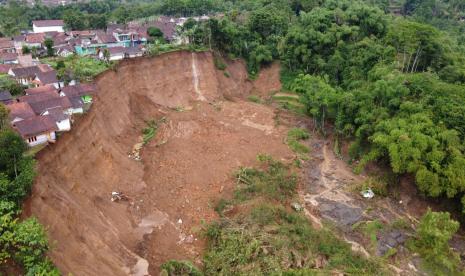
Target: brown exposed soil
<point x="183" y="170"/>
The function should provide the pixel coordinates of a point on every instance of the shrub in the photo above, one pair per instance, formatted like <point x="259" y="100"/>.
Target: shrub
<point x="294" y="136"/>
<point x="184" y="268"/>
<point x="254" y="98"/>
<point x="274" y="181"/>
<point x="432" y="242"/>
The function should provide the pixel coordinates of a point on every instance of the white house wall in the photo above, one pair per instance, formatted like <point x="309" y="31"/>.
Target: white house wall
<point x="47" y="29"/>
<point x="42" y="139"/>
<point x="64" y="125"/>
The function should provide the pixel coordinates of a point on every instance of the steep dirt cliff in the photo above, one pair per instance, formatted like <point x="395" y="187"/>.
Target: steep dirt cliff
<point x="200" y="141"/>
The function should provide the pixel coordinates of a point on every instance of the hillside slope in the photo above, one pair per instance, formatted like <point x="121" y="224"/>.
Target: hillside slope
<point x="201" y="139"/>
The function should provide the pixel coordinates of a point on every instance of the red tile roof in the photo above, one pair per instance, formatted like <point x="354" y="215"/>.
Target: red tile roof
<point x="4" y="68"/>
<point x="38" y="97"/>
<point x="79" y="89"/>
<point x="42" y="106"/>
<point x="35" y="125"/>
<point x="41" y="89"/>
<point x="20" y="110"/>
<point x="48" y="23"/>
<point x="35" y="38"/>
<point x="8" y="56"/>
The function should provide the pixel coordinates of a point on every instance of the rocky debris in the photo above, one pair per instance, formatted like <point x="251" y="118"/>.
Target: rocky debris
<point x="340" y="213"/>
<point x="117" y="196"/>
<point x="390" y="240"/>
<point x="296" y="206"/>
<point x="135" y="153"/>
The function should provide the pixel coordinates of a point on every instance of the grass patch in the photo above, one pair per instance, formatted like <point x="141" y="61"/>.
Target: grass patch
<point x="370" y="229"/>
<point x="179" y="268"/>
<point x="151" y="130"/>
<point x="254" y="98"/>
<point x="274" y="181"/>
<point x="226" y="74"/>
<point x="376" y="184"/>
<point x="293" y="137"/>
<point x="219" y="63"/>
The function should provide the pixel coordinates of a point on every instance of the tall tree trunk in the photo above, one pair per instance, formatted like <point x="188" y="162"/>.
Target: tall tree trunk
<point x="415" y="60"/>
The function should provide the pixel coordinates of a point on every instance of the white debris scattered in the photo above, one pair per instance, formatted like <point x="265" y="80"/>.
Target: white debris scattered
<point x="179" y="221"/>
<point x="296" y="206"/>
<point x="116" y="196"/>
<point x="368" y="193"/>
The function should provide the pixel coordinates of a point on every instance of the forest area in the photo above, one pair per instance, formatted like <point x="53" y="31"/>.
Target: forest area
<point x="389" y="84"/>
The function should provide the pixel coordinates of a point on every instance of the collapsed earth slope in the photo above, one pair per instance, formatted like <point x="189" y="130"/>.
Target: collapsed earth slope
<point x="201" y="139"/>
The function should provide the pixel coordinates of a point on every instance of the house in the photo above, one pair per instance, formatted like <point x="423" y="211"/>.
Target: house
<point x="20" y="111"/>
<point x="49" y="77"/>
<point x="7" y="45"/>
<point x="78" y="90"/>
<point x="64" y="103"/>
<point x="114" y="53"/>
<point x="37" y="130"/>
<point x="48" y="88"/>
<point x="8" y="58"/>
<point x="27" y="75"/>
<point x="118" y="53"/>
<point x="64" y="51"/>
<point x="4" y="68"/>
<point x="132" y="52"/>
<point x="60" y="118"/>
<point x="27" y="60"/>
<point x="34" y="40"/>
<point x="24" y="75"/>
<point x="5" y="97"/>
<point x="80" y="96"/>
<point x="43" y="26"/>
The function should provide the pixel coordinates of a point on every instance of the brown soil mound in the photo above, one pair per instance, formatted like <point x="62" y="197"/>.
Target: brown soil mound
<point x="184" y="169"/>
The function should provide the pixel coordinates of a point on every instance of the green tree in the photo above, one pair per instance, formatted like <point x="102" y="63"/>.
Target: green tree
<point x="3" y="117"/>
<point x="25" y="50"/>
<point x="155" y="34"/>
<point x="12" y="147"/>
<point x="432" y="242"/>
<point x="49" y="45"/>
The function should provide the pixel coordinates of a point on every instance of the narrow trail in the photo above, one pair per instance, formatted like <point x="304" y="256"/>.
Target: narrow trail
<point x="195" y="79"/>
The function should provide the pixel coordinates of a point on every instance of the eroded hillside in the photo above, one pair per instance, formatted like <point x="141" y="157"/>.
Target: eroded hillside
<point x="201" y="139"/>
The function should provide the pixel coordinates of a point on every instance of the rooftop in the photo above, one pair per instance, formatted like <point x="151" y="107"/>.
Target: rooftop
<point x="49" y="77"/>
<point x="78" y="90"/>
<point x="5" y="96"/>
<point x="42" y="106"/>
<point x="35" y="125"/>
<point x="48" y="23"/>
<point x="20" y="110"/>
<point x="41" y="89"/>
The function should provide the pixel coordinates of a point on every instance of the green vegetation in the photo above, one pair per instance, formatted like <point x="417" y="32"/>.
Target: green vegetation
<point x="81" y="68"/>
<point x="21" y="242"/>
<point x="371" y="229"/>
<point x="269" y="239"/>
<point x="432" y="242"/>
<point x="9" y="84"/>
<point x="293" y="137"/>
<point x="254" y="98"/>
<point x="179" y="268"/>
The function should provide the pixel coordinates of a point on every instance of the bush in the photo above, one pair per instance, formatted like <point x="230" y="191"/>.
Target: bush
<point x="254" y="98"/>
<point x="294" y="136"/>
<point x="432" y="242"/>
<point x="219" y="63"/>
<point x="184" y="268"/>
<point x="273" y="182"/>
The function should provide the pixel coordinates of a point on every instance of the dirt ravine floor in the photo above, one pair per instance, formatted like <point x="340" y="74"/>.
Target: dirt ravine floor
<point x="209" y="130"/>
